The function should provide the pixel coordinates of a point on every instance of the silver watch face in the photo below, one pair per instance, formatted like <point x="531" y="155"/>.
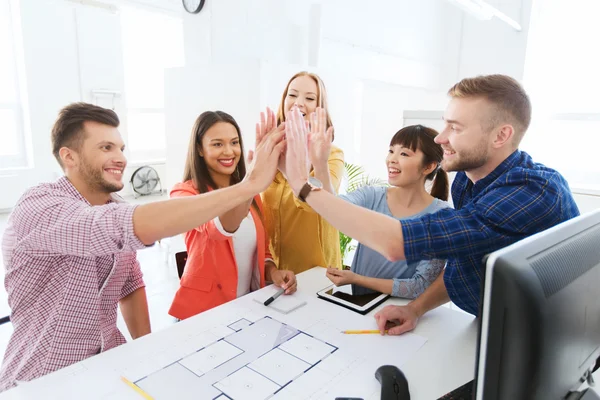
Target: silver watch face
<point x="314" y="182"/>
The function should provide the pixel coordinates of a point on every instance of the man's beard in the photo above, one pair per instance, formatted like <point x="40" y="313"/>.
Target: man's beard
<point x="93" y="177"/>
<point x="467" y="162"/>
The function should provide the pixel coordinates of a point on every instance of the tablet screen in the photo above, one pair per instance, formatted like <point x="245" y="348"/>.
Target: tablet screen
<point x="343" y="296"/>
<point x="360" y="300"/>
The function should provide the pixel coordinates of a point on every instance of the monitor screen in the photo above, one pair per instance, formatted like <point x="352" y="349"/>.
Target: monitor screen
<point x="540" y="314"/>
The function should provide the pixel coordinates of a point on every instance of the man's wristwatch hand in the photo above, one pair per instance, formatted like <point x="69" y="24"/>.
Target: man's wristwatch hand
<point x="312" y="184"/>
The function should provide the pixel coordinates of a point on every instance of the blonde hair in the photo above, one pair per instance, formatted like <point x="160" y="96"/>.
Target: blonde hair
<point x="321" y="97"/>
<point x="512" y="105"/>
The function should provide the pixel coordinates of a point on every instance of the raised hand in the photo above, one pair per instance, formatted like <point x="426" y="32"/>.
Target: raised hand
<point x="319" y="138"/>
<point x="297" y="163"/>
<point x="267" y="124"/>
<point x="269" y="146"/>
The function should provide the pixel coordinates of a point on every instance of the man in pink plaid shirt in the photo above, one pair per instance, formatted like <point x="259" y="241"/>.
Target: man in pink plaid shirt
<point x="69" y="247"/>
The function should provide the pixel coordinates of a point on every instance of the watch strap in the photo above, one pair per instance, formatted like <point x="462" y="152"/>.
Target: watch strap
<point x="306" y="189"/>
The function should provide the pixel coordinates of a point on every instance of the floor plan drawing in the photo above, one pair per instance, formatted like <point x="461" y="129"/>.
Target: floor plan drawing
<point x="253" y="361"/>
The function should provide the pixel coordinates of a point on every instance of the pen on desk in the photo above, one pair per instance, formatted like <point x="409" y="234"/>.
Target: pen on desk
<point x="137" y="389"/>
<point x="272" y="298"/>
<point x="362" y="332"/>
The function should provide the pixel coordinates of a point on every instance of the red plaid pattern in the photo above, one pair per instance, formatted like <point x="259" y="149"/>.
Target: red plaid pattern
<point x="67" y="266"/>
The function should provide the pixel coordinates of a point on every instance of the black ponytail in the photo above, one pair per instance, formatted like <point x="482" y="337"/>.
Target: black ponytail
<point x="441" y="185"/>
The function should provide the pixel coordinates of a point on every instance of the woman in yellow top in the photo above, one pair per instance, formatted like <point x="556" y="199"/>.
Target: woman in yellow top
<point x="300" y="238"/>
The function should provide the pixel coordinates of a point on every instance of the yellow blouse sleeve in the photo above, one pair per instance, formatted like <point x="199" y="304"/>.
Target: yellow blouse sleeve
<point x="336" y="167"/>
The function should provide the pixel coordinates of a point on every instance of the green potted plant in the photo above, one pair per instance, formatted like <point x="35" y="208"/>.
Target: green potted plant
<point x="355" y="178"/>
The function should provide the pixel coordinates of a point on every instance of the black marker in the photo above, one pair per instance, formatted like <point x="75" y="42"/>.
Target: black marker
<point x="272" y="298"/>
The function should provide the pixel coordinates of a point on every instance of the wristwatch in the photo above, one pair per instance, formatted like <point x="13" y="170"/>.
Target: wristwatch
<point x="312" y="184"/>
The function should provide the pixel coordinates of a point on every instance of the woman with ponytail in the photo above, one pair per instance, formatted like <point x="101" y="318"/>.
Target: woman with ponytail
<point x="414" y="158"/>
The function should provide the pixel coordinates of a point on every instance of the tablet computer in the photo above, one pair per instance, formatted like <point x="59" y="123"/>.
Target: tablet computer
<point x="342" y="296"/>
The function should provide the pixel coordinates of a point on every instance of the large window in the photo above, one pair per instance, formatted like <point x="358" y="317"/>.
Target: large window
<point x="12" y="137"/>
<point x="152" y="41"/>
<point x="562" y="75"/>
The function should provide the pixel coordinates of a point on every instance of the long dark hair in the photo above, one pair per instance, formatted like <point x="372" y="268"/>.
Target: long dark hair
<point x="421" y="137"/>
<point x="195" y="168"/>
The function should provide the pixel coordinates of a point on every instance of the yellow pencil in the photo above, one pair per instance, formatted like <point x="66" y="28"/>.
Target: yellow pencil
<point x="137" y="389"/>
<point x="362" y="332"/>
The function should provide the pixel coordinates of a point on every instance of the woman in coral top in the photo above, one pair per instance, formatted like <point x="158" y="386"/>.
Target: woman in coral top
<point x="300" y="238"/>
<point x="228" y="257"/>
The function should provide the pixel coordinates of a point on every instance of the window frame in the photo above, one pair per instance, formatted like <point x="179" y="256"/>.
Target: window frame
<point x="146" y="156"/>
<point x="552" y="113"/>
<point x="21" y="160"/>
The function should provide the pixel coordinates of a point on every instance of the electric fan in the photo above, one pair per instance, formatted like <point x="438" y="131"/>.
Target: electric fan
<point x="145" y="181"/>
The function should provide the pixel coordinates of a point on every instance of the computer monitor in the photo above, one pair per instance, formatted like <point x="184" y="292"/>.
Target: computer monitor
<point x="539" y="333"/>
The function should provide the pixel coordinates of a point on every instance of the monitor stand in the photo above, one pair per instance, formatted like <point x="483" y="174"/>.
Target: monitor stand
<point x="588" y="394"/>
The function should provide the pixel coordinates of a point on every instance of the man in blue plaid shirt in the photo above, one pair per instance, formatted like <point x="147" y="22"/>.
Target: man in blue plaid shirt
<point x="500" y="196"/>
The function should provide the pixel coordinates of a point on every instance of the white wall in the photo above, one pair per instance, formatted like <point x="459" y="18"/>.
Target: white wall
<point x="587" y="202"/>
<point x="377" y="59"/>
<point x="383" y="107"/>
<point x="374" y="64"/>
<point x="185" y="100"/>
<point x="403" y="42"/>
<point x="492" y="47"/>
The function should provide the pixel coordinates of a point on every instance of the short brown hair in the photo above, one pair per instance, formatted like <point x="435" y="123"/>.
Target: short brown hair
<point x="505" y="93"/>
<point x="68" y="128"/>
<point x="321" y="97"/>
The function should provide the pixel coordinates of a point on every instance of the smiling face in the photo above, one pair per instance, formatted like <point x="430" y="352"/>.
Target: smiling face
<point x="405" y="166"/>
<point x="221" y="150"/>
<point x="302" y="93"/>
<point x="466" y="143"/>
<point x="100" y="162"/>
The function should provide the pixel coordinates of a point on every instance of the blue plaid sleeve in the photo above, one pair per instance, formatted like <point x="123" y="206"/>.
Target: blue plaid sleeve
<point x="500" y="217"/>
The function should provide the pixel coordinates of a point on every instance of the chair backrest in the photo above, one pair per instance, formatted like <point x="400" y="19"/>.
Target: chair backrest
<point x="180" y="260"/>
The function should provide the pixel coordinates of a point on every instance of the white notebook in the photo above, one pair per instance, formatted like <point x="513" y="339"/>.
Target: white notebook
<point x="284" y="304"/>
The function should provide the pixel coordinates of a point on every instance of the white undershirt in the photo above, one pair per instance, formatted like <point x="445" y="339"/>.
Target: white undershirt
<point x="244" y="247"/>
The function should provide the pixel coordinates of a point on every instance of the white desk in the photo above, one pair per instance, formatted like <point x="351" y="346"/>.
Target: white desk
<point x="443" y="363"/>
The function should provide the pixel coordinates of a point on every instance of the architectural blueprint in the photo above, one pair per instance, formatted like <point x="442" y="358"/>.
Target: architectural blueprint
<point x="254" y="362"/>
<point x="240" y="350"/>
